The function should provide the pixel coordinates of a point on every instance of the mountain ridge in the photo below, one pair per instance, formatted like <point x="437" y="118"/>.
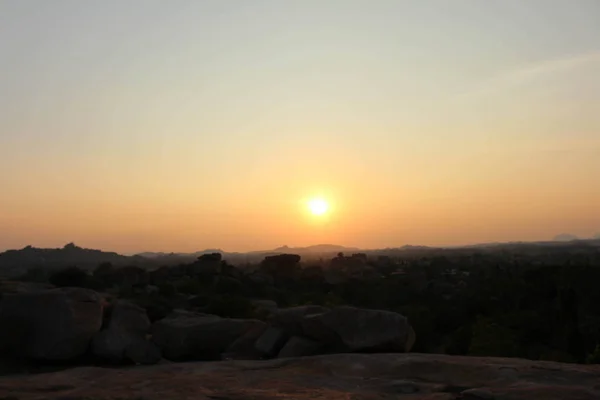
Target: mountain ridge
<point x="18" y="262"/>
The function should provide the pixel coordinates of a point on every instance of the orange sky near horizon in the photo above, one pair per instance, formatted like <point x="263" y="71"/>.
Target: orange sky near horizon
<point x="185" y="125"/>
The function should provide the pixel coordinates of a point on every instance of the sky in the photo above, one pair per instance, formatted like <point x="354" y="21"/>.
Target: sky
<point x="151" y="125"/>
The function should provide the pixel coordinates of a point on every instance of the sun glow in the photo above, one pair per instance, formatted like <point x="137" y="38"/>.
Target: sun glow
<point x="318" y="206"/>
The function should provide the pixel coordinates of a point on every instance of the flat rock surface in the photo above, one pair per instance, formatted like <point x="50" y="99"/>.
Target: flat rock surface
<point x="331" y="377"/>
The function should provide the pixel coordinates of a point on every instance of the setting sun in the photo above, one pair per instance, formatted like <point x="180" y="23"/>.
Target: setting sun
<point x="318" y="206"/>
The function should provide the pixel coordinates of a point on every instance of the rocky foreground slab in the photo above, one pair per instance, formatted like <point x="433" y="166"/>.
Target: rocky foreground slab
<point x="339" y="376"/>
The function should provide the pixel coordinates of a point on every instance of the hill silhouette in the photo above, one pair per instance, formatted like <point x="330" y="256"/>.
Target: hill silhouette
<point x="565" y="237"/>
<point x="17" y="262"/>
<point x="318" y="248"/>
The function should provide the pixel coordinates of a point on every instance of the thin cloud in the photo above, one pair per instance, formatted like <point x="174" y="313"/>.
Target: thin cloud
<point x="522" y="76"/>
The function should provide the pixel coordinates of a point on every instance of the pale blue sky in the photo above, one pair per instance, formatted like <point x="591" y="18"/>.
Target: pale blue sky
<point x="174" y="125"/>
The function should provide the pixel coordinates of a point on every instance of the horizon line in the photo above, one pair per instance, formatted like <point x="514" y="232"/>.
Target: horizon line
<point x="300" y="248"/>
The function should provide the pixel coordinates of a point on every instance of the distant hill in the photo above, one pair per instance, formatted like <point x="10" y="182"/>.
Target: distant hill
<point x="150" y="254"/>
<point x="565" y="237"/>
<point x="318" y="248"/>
<point x="17" y="262"/>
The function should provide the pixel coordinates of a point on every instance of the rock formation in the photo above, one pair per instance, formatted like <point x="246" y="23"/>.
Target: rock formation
<point x="198" y="336"/>
<point x="124" y="337"/>
<point x="69" y="323"/>
<point x="50" y="325"/>
<point x="329" y="377"/>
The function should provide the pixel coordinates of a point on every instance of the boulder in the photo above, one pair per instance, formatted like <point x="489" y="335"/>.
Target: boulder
<point x="12" y="287"/>
<point x="128" y="317"/>
<point x="51" y="325"/>
<point x="179" y="301"/>
<point x="361" y="329"/>
<point x="199" y="302"/>
<point x="198" y="337"/>
<point x="125" y="336"/>
<point x="410" y="340"/>
<point x="299" y="347"/>
<point x="313" y="327"/>
<point x="271" y="341"/>
<point x="142" y="351"/>
<point x="290" y="319"/>
<point x="243" y="348"/>
<point x="110" y="345"/>
<point x="267" y="307"/>
<point x="182" y="313"/>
